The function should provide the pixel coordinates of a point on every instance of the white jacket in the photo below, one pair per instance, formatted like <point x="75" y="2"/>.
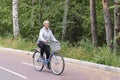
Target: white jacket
<point x="46" y="35"/>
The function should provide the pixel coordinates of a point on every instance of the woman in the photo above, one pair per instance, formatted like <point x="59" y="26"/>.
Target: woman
<point x="45" y="36"/>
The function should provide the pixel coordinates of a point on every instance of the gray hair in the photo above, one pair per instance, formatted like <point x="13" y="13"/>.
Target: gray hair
<point x="46" y="21"/>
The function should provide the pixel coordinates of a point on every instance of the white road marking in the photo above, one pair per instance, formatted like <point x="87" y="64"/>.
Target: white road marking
<point x="12" y="72"/>
<point x="27" y="64"/>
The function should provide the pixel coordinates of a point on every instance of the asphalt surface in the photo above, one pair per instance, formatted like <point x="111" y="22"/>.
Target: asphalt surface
<point x="18" y="66"/>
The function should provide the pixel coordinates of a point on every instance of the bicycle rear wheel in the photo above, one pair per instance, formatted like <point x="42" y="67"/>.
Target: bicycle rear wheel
<point x="57" y="64"/>
<point x="38" y="61"/>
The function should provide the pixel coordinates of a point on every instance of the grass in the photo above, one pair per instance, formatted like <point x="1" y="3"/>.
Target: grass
<point x="17" y="44"/>
<point x="85" y="51"/>
<point x="82" y="51"/>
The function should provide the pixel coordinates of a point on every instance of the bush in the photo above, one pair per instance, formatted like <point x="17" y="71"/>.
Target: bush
<point x="85" y="51"/>
<point x="82" y="51"/>
<point x="104" y="56"/>
<point x="17" y="44"/>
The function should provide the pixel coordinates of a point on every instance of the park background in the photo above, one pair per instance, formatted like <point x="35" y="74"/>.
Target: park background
<point x="87" y="29"/>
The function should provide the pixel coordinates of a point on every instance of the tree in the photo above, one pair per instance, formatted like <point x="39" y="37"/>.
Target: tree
<point x="32" y="14"/>
<point x="77" y="23"/>
<point x="15" y="18"/>
<point x="65" y="19"/>
<point x="108" y="24"/>
<point x="93" y="23"/>
<point x="116" y="25"/>
<point x="40" y="12"/>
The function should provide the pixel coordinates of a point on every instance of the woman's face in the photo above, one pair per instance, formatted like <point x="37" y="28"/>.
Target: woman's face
<point x="46" y="25"/>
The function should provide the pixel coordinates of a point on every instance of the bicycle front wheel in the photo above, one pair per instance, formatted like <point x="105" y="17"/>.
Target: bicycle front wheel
<point x="57" y="64"/>
<point x="38" y="61"/>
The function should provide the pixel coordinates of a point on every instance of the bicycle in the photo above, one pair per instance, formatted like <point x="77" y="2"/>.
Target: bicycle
<point x="56" y="61"/>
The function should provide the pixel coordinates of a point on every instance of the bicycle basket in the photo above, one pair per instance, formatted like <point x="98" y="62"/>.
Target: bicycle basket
<point x="55" y="46"/>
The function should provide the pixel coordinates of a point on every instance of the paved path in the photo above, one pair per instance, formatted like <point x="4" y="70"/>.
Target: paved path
<point x="18" y="66"/>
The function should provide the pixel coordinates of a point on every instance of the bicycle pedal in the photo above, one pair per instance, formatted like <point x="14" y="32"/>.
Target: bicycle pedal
<point x="40" y="60"/>
<point x="46" y="62"/>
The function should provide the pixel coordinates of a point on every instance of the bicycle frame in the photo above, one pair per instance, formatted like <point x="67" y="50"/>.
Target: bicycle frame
<point x="52" y="59"/>
<point x="51" y="54"/>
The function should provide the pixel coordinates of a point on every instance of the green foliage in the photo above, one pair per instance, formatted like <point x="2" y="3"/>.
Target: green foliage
<point x="85" y="52"/>
<point x="19" y="43"/>
<point x="86" y="44"/>
<point x="5" y="17"/>
<point x="112" y="7"/>
<point x="78" y="21"/>
<point x="31" y="18"/>
<point x="104" y="56"/>
<point x="41" y="11"/>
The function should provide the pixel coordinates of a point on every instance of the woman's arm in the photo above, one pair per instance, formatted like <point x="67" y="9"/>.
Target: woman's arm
<point x="52" y="37"/>
<point x="41" y="36"/>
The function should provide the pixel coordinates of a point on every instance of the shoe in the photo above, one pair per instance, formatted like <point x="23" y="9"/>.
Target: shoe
<point x="48" y="66"/>
<point x="42" y="58"/>
<point x="38" y="60"/>
<point x="46" y="61"/>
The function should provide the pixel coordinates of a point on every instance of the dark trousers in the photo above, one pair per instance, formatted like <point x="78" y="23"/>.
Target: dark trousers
<point x="45" y="48"/>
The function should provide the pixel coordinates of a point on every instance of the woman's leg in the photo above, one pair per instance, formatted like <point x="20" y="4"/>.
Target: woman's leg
<point x="47" y="51"/>
<point x="42" y="48"/>
<point x="42" y="51"/>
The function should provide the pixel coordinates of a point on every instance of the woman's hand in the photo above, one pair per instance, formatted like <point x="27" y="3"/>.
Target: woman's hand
<point x="57" y="41"/>
<point x="46" y="41"/>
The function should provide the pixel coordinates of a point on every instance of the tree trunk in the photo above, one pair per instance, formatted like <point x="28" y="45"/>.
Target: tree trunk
<point x="15" y="18"/>
<point x="108" y="24"/>
<point x="32" y="14"/>
<point x="116" y="25"/>
<point x="65" y="20"/>
<point x="40" y="13"/>
<point x="93" y="23"/>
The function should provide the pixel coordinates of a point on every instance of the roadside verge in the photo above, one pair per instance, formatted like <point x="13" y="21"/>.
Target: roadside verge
<point x="79" y="62"/>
